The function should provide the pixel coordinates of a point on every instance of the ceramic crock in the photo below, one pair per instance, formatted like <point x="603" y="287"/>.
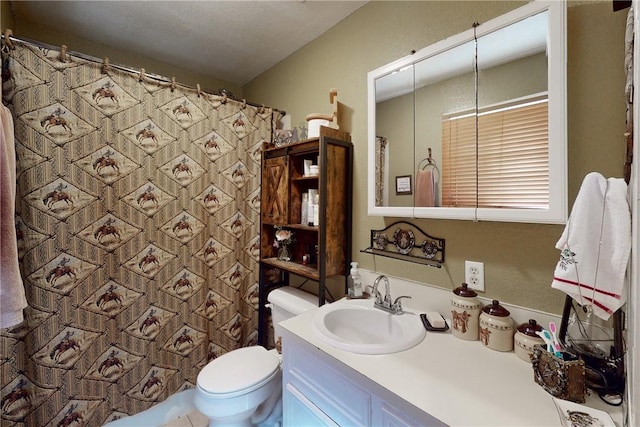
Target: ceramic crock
<point x="496" y="327"/>
<point x="465" y="313"/>
<point x="526" y="338"/>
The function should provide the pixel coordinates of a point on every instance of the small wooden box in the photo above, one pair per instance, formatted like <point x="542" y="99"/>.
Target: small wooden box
<point x="562" y="378"/>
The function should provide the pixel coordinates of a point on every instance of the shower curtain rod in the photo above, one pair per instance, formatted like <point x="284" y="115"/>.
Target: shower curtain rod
<point x="8" y="35"/>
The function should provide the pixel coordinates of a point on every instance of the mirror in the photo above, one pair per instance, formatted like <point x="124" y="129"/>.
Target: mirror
<point x="475" y="125"/>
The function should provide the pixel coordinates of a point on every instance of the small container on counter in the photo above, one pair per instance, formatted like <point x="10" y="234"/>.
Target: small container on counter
<point x="465" y="313"/>
<point x="526" y="338"/>
<point x="496" y="327"/>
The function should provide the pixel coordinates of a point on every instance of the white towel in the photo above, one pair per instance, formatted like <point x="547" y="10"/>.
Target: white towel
<point x="12" y="296"/>
<point x="595" y="246"/>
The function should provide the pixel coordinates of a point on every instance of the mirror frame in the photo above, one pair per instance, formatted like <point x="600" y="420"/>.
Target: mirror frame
<point x="557" y="95"/>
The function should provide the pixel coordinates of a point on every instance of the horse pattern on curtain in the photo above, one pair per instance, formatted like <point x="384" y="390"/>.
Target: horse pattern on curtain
<point x="138" y="224"/>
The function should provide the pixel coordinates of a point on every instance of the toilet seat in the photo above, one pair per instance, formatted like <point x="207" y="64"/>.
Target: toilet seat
<point x="238" y="372"/>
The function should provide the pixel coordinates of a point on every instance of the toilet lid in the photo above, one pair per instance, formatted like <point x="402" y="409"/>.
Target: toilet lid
<point x="238" y="370"/>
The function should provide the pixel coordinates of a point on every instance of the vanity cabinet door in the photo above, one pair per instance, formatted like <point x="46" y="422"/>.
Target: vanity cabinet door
<point x="297" y="407"/>
<point x="385" y="414"/>
<point x="343" y="400"/>
<point x="275" y="191"/>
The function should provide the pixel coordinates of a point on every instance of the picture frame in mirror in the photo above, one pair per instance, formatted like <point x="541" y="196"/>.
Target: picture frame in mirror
<point x="403" y="184"/>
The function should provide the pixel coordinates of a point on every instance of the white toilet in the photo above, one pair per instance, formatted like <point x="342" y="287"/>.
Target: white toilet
<point x="244" y="387"/>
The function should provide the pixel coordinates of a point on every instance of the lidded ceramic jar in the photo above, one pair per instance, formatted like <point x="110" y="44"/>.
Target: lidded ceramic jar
<point x="465" y="313"/>
<point x="526" y="338"/>
<point x="496" y="327"/>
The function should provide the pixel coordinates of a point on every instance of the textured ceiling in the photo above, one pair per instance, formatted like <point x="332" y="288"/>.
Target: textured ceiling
<point x="229" y="40"/>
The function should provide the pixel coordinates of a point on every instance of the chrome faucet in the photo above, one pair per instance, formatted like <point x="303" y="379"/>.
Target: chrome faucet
<point x="384" y="303"/>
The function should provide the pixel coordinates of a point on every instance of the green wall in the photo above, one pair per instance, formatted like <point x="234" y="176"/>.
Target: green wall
<point x="6" y="16"/>
<point x="519" y="258"/>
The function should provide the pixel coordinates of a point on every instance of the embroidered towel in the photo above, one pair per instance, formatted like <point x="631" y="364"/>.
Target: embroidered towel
<point x="12" y="297"/>
<point x="425" y="188"/>
<point x="595" y="246"/>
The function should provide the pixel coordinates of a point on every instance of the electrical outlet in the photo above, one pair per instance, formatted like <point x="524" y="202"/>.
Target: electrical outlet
<point x="474" y="275"/>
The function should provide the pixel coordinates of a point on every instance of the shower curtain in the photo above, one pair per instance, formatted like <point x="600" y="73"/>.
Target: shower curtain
<point x="138" y="223"/>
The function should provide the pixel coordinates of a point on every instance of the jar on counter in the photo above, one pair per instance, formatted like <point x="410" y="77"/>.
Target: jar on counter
<point x="526" y="338"/>
<point x="496" y="327"/>
<point x="465" y="313"/>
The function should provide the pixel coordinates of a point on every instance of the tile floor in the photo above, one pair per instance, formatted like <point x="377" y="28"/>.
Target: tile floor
<point x="192" y="419"/>
<point x="177" y="410"/>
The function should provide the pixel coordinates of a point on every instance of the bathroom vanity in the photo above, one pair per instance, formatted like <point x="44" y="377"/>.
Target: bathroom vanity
<point x="441" y="381"/>
<point x="319" y="390"/>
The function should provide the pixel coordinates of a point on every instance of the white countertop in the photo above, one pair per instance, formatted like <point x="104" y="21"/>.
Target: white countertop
<point x="462" y="383"/>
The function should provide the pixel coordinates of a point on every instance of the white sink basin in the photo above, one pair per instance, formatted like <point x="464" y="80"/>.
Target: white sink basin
<point x="356" y="326"/>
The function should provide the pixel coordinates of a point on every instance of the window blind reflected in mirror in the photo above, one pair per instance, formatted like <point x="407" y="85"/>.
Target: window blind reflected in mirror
<point x="512" y="156"/>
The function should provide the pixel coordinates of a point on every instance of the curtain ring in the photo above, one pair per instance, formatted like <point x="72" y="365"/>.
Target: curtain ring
<point x="244" y="104"/>
<point x="173" y="84"/>
<point x="141" y="76"/>
<point x="7" y="38"/>
<point x="224" y="97"/>
<point x="199" y="91"/>
<point x="63" y="53"/>
<point x="105" y="65"/>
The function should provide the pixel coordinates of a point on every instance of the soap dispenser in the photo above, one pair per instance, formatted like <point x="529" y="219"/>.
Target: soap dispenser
<point x="354" y="285"/>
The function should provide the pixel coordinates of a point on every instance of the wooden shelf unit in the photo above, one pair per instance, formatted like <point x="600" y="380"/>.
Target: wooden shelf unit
<point x="328" y="243"/>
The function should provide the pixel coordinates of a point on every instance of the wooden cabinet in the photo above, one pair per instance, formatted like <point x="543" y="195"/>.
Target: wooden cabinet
<point x="321" y="249"/>
<point x="275" y="191"/>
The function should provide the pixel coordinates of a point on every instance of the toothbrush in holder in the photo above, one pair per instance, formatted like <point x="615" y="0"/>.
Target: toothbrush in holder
<point x="554" y="335"/>
<point x="548" y="339"/>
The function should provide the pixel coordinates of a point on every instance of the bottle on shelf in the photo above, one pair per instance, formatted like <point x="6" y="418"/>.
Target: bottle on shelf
<point x="316" y="211"/>
<point x="312" y="206"/>
<point x="304" y="214"/>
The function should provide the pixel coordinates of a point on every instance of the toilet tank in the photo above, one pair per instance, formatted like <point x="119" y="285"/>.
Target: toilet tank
<point x="287" y="302"/>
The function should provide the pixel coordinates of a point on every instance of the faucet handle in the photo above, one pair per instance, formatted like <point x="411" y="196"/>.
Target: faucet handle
<point x="375" y="293"/>
<point x="387" y="299"/>
<point x="397" y="305"/>
<point x="378" y="297"/>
